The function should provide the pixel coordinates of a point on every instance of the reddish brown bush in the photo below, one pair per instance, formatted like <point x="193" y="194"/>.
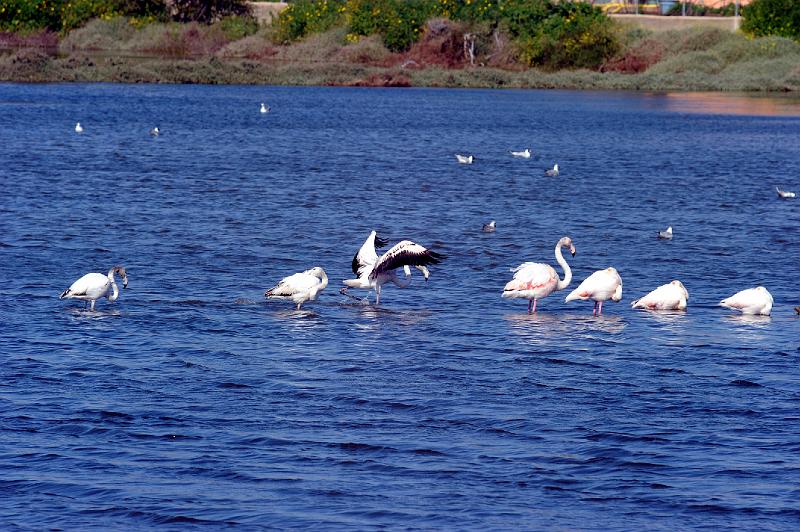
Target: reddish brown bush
<point x="41" y="40"/>
<point x="635" y="59"/>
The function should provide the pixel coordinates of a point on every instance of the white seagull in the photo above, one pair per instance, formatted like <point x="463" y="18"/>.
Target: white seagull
<point x="93" y="286"/>
<point x="753" y="301"/>
<point x="491" y="227"/>
<point x="665" y="235"/>
<point x="535" y="280"/>
<point x="373" y="271"/>
<point x="264" y="108"/>
<point x="553" y="172"/>
<point x="300" y="287"/>
<point x="600" y="286"/>
<point x="526" y="154"/>
<point x="155" y="132"/>
<point x="672" y="296"/>
<point x="464" y="159"/>
<point x="78" y="128"/>
<point x="785" y="194"/>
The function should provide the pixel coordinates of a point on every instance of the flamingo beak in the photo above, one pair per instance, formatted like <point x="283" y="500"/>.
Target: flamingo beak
<point x="572" y="250"/>
<point x="125" y="282"/>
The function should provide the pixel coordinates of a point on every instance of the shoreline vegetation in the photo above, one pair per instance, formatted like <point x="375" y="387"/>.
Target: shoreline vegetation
<point x="526" y="44"/>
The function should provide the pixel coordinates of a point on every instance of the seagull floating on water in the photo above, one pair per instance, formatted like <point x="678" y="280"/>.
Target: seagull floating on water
<point x="535" y="280"/>
<point x="672" y="296"/>
<point x="464" y="159"/>
<point x="490" y="227"/>
<point x="373" y="272"/>
<point x="300" y="287"/>
<point x="155" y="132"/>
<point x="93" y="286"/>
<point x="600" y="286"/>
<point x="264" y="108"/>
<point x="785" y="194"/>
<point x="78" y="128"/>
<point x="666" y="234"/>
<point x="526" y="154"/>
<point x="753" y="301"/>
<point x="553" y="172"/>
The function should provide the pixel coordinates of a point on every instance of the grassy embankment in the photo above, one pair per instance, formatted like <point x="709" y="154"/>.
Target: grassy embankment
<point x="238" y="52"/>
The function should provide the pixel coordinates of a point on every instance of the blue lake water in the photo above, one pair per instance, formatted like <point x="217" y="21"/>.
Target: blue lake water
<point x="193" y="401"/>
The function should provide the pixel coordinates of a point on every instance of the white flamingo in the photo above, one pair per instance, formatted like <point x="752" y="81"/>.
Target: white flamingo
<point x="464" y="159"/>
<point x="671" y="296"/>
<point x="300" y="287"/>
<point x="753" y="301"/>
<point x="264" y="109"/>
<point x="373" y="272"/>
<point x="553" y="172"/>
<point x="785" y="194"/>
<point x="535" y="280"/>
<point x="93" y="286"/>
<point x="600" y="286"/>
<point x="78" y="128"/>
<point x="525" y="154"/>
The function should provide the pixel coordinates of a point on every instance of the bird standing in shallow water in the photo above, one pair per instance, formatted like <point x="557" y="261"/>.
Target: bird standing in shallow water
<point x="373" y="272"/>
<point x="753" y="301"/>
<point x="300" y="287"/>
<point x="672" y="296"/>
<point x="600" y="286"/>
<point x="93" y="286"/>
<point x="534" y="280"/>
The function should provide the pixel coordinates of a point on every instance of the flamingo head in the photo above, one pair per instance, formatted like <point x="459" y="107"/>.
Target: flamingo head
<point x="120" y="270"/>
<point x="317" y="272"/>
<point x="566" y="242"/>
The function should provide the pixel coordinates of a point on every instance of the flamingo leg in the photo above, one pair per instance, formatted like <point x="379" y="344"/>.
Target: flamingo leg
<point x="530" y="302"/>
<point x="377" y="295"/>
<point x="600" y="309"/>
<point x="594" y="312"/>
<point x="534" y="306"/>
<point x="92" y="309"/>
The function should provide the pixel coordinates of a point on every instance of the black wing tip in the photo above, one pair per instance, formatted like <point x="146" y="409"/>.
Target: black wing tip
<point x="435" y="258"/>
<point x="380" y="242"/>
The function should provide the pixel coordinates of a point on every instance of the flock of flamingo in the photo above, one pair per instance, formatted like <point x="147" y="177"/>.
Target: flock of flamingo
<point x="532" y="280"/>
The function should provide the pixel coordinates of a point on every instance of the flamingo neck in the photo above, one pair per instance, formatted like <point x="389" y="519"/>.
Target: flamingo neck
<point x="562" y="284"/>
<point x="401" y="283"/>
<point x="114" y="290"/>
<point x="324" y="279"/>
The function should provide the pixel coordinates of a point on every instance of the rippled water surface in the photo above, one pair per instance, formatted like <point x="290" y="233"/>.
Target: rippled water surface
<point x="192" y="400"/>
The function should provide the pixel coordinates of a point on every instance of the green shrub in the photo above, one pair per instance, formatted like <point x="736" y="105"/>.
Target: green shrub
<point x="772" y="17"/>
<point x="207" y="11"/>
<point x="75" y="13"/>
<point x="308" y="16"/>
<point x="65" y="15"/>
<point x="398" y="22"/>
<point x="549" y="34"/>
<point x="22" y="15"/>
<point x="238" y="27"/>
<point x="576" y="35"/>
